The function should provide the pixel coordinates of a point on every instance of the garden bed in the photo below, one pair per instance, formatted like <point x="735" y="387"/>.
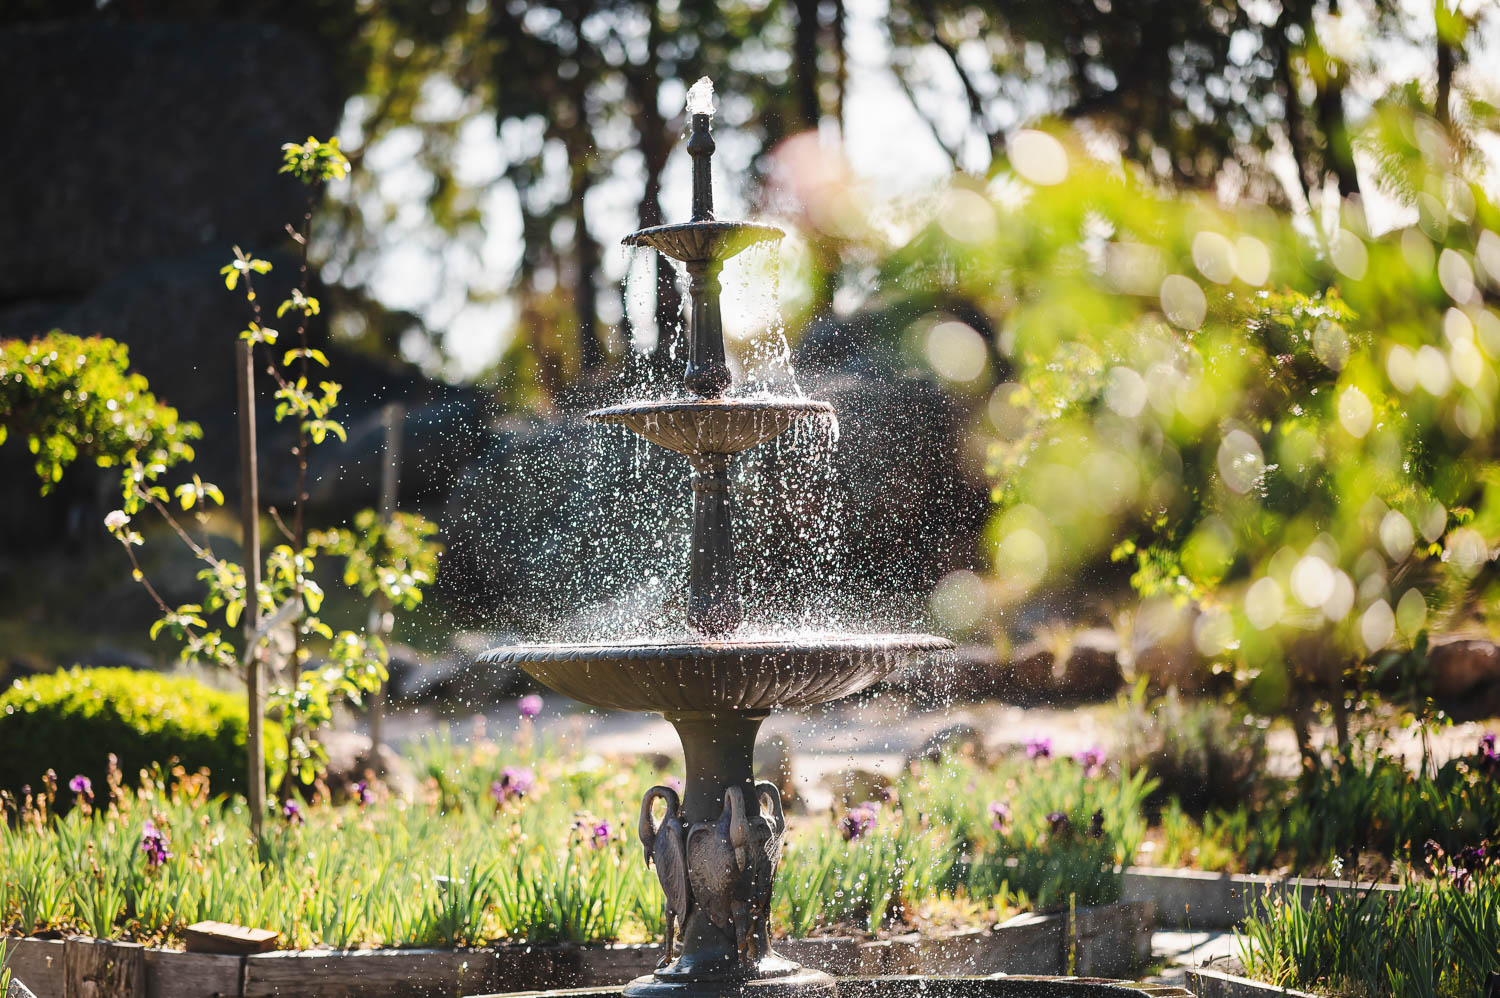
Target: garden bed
<point x="1107" y="940"/>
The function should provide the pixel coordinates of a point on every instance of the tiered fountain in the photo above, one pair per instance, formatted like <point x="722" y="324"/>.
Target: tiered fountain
<point x="716" y="848"/>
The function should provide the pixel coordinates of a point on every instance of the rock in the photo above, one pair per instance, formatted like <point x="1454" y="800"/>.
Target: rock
<point x="1081" y="666"/>
<point x="1460" y="664"/>
<point x="350" y="760"/>
<point x="107" y="164"/>
<point x="954" y="741"/>
<point x="18" y="990"/>
<point x="856" y="786"/>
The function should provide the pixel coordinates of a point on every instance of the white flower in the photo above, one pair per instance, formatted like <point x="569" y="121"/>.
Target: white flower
<point x="116" y="520"/>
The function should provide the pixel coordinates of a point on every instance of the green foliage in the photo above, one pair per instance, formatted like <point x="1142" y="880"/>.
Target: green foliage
<point x="72" y="721"/>
<point x="312" y="162"/>
<point x="1429" y="940"/>
<point x="1283" y="433"/>
<point x="394" y="558"/>
<point x="74" y="396"/>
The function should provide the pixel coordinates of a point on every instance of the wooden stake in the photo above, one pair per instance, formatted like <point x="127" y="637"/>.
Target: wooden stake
<point x="250" y="542"/>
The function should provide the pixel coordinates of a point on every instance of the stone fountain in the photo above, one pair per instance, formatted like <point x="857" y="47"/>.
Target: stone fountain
<point x="717" y="847"/>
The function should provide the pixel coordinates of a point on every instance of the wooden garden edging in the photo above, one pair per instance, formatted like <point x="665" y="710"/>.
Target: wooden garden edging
<point x="1109" y="940"/>
<point x="1197" y="899"/>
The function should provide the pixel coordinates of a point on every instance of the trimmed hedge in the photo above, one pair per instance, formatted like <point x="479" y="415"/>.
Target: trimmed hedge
<point x="70" y="721"/>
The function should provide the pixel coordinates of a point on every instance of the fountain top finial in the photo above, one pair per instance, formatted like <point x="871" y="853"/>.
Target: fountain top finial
<point x="700" y="97"/>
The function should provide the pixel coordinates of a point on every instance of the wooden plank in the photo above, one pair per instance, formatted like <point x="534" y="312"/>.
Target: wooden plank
<point x="38" y="963"/>
<point x="94" y="968"/>
<point x="390" y="973"/>
<point x="222" y="937"/>
<point x="193" y="975"/>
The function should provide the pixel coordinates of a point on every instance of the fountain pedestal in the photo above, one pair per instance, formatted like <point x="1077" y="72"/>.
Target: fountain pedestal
<point x="726" y="946"/>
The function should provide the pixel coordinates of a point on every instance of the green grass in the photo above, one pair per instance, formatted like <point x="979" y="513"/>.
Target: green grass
<point x="454" y="868"/>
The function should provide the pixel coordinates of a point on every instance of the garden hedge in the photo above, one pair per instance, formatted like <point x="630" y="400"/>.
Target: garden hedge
<point x="70" y="721"/>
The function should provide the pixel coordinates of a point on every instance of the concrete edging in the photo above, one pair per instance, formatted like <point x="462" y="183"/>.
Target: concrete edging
<point x="1217" y="984"/>
<point x="1106" y="941"/>
<point x="1197" y="899"/>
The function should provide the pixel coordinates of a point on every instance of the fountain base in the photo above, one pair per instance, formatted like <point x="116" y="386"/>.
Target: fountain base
<point x="797" y="982"/>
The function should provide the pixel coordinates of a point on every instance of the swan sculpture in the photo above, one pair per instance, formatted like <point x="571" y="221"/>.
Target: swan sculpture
<point x="666" y="848"/>
<point x="766" y="835"/>
<point x="717" y="856"/>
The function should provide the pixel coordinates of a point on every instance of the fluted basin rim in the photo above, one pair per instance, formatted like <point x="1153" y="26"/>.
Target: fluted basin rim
<point x="747" y="404"/>
<point x="757" y="674"/>
<point x="705" y="240"/>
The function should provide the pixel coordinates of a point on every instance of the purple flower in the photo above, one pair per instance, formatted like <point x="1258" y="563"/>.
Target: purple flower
<point x="362" y="793"/>
<point x="1091" y="759"/>
<point x="154" y="844"/>
<point x="514" y="783"/>
<point x="82" y="786"/>
<point x="999" y="815"/>
<point x="1489" y="756"/>
<point x="292" y="812"/>
<point x="859" y="820"/>
<point x="601" y="834"/>
<point x="1059" y="823"/>
<point x="1096" y="825"/>
<point x="529" y="706"/>
<point x="1039" y="748"/>
<point x="1474" y="858"/>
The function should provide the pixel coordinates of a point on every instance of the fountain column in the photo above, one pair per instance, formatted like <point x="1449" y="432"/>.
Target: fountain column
<point x="713" y="595"/>
<point x="707" y="372"/>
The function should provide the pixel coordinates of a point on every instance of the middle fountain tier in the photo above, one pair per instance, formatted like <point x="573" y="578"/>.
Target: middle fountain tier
<point x="716" y="847"/>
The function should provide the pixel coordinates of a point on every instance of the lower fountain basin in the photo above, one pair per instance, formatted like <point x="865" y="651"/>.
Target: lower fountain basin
<point x="712" y="426"/>
<point x="688" y="677"/>
<point x="999" y="986"/>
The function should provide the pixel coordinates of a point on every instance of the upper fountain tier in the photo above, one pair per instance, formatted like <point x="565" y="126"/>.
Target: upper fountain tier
<point x="704" y="240"/>
<point x="721" y="426"/>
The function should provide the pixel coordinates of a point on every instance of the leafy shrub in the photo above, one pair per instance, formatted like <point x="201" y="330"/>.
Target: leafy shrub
<point x="1200" y="752"/>
<point x="70" y="721"/>
<point x="70" y="396"/>
<point x="1372" y="803"/>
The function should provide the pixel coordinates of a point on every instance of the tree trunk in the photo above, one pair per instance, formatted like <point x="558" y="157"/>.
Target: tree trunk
<point x="840" y="37"/>
<point x="805" y="59"/>
<point x="1444" y="82"/>
<point x="586" y="258"/>
<point x="1295" y="125"/>
<point x="1332" y="122"/>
